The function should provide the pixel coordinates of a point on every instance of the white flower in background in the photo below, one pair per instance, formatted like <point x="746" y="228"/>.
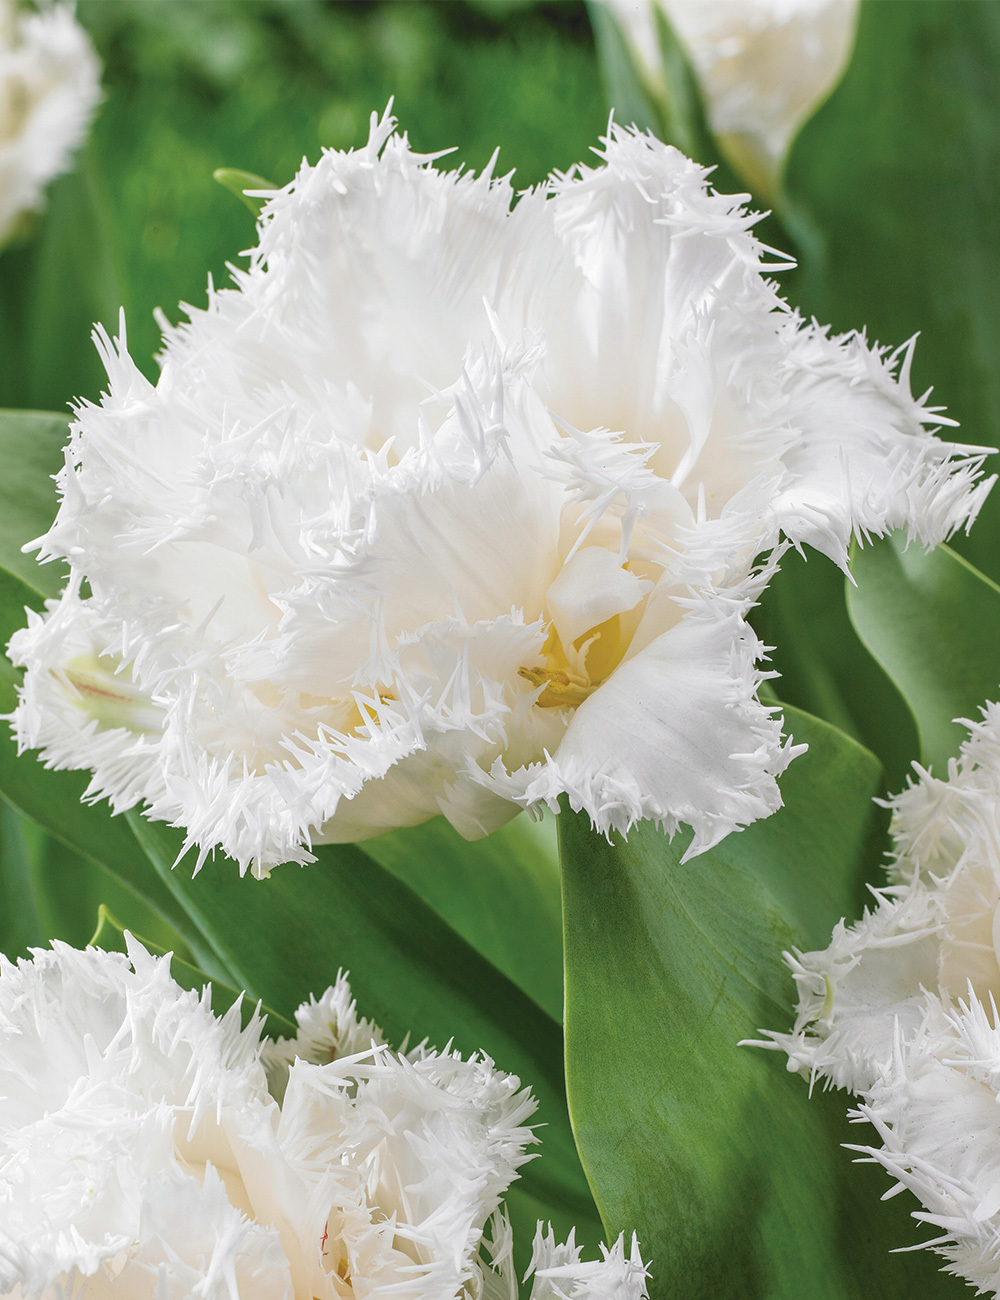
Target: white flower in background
<point x="764" y="65"/>
<point x="452" y="507"/>
<point x="49" y="89"/>
<point x="141" y="1154"/>
<point x="901" y="1008"/>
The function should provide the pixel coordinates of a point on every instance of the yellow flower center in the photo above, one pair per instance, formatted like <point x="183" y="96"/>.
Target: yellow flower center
<point x="599" y="651"/>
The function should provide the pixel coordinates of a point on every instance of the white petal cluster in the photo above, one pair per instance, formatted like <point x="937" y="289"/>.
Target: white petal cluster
<point x="764" y="65"/>
<point x="49" y="89"/>
<point x="141" y="1154"/>
<point x="455" y="504"/>
<point x="902" y="1008"/>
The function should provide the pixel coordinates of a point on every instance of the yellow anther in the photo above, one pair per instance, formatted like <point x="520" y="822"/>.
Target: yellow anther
<point x="562" y="689"/>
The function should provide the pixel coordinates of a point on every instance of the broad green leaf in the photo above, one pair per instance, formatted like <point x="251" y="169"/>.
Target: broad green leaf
<point x="67" y="888"/>
<point x="49" y="892"/>
<point x="933" y="623"/>
<point x="731" y="1175"/>
<point x="73" y="286"/>
<point x="286" y="937"/>
<point x="501" y="893"/>
<point x="238" y="182"/>
<point x="54" y="285"/>
<point x="895" y="177"/>
<point x="31" y="452"/>
<point x="70" y="888"/>
<point x="20" y="922"/>
<point x="88" y="834"/>
<point x="110" y="936"/>
<point x="825" y="667"/>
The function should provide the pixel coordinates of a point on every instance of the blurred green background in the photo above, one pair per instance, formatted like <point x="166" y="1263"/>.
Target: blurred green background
<point x="192" y="85"/>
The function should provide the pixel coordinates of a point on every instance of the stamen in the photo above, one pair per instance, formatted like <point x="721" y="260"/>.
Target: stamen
<point x="562" y="689"/>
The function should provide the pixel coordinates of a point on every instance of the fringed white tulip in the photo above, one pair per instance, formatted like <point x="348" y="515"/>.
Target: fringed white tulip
<point x="764" y="66"/>
<point x="455" y="505"/>
<point x="901" y="1008"/>
<point x="49" y="89"/>
<point x="141" y="1154"/>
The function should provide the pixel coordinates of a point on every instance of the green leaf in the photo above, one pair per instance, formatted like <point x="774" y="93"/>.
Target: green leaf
<point x="73" y="285"/>
<point x="31" y="453"/>
<point x="502" y="894"/>
<point x="69" y="888"/>
<point x="48" y="891"/>
<point x="731" y="1175"/>
<point x="895" y="177"/>
<point x="54" y="284"/>
<point x="825" y="667"/>
<point x="85" y="835"/>
<point x="20" y="921"/>
<point x="110" y="936"/>
<point x="238" y="182"/>
<point x="933" y="623"/>
<point x="286" y="937"/>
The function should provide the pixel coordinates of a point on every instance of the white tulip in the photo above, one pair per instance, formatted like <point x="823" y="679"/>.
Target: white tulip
<point x="764" y="66"/>
<point x="49" y="89"/>
<point x="453" y="506"/>
<point x="901" y="1008"/>
<point x="141" y="1154"/>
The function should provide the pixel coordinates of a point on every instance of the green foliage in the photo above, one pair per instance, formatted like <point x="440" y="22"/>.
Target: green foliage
<point x="55" y="283"/>
<point x="239" y="183"/>
<point x="933" y="623"/>
<point x="889" y="203"/>
<point x="826" y="669"/>
<point x="501" y="894"/>
<point x="86" y="858"/>
<point x="888" y="198"/>
<point x="896" y="179"/>
<point x="51" y="892"/>
<point x="21" y="927"/>
<point x="31" y="453"/>
<point x="731" y="1175"/>
<point x="633" y="96"/>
